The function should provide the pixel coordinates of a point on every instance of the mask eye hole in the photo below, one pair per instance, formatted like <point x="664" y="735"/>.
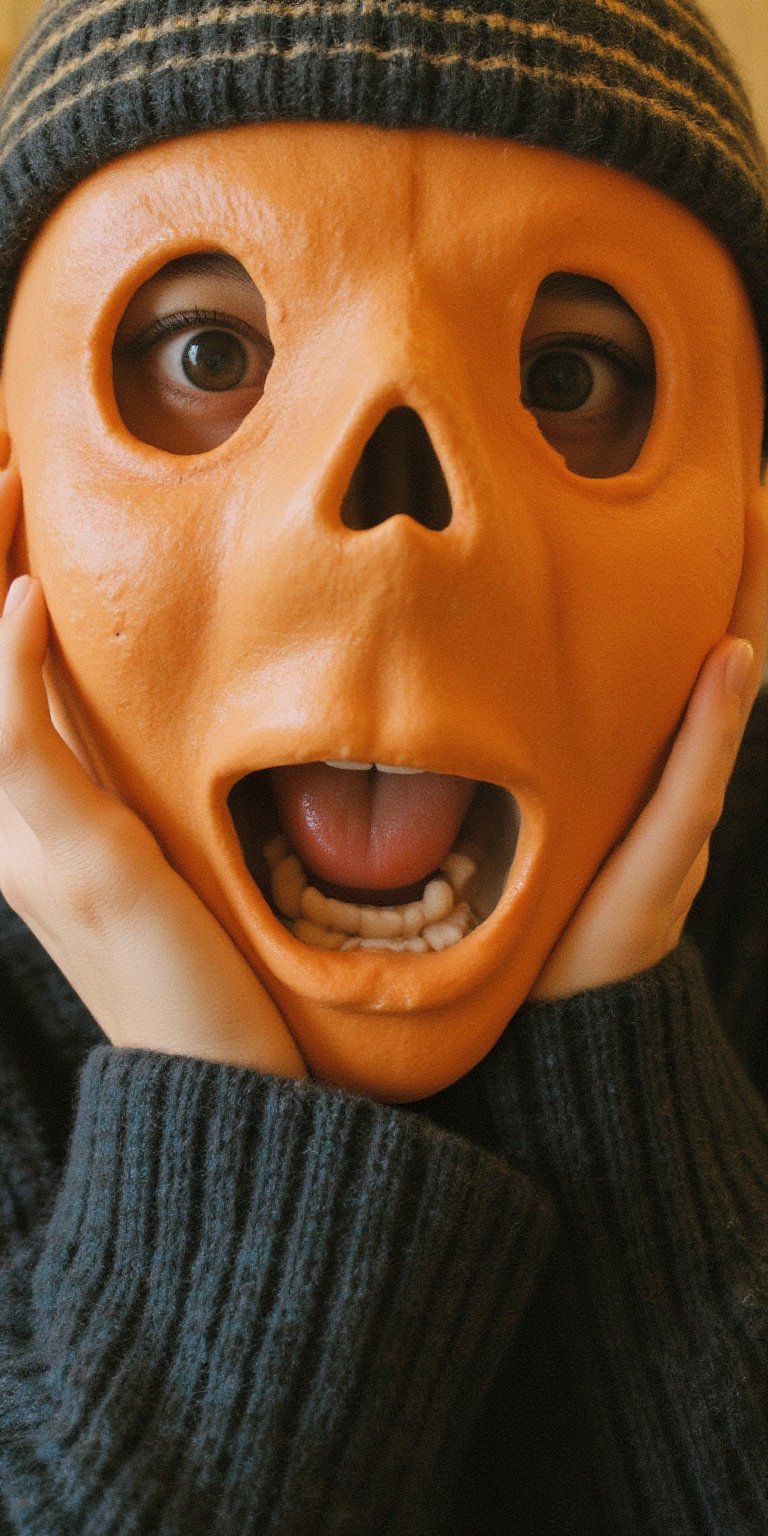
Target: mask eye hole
<point x="588" y="374"/>
<point x="192" y="353"/>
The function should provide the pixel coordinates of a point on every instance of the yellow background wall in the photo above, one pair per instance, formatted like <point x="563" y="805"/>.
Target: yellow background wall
<point x="14" y="17"/>
<point x="743" y="25"/>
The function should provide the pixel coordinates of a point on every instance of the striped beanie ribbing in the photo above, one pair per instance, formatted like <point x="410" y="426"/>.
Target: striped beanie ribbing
<point x="643" y="87"/>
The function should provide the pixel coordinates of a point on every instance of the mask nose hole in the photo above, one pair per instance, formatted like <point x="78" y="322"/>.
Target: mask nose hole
<point x="398" y="473"/>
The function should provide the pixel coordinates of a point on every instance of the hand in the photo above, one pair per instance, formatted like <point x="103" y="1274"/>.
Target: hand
<point x="633" y="913"/>
<point x="154" y="967"/>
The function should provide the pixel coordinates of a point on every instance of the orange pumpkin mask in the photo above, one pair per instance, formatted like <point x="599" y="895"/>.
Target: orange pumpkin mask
<point x="520" y="624"/>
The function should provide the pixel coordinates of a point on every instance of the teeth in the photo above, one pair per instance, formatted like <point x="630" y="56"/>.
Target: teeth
<point x="437" y="900"/>
<point x="413" y="918"/>
<point x="319" y="938"/>
<point x="435" y="922"/>
<point x="276" y="850"/>
<point x="443" y="934"/>
<point x="380" y="923"/>
<point x="387" y="768"/>
<point x="363" y="767"/>
<point x="458" y="868"/>
<point x="288" y="884"/>
<point x="415" y="946"/>
<point x="342" y="916"/>
<point x="356" y="767"/>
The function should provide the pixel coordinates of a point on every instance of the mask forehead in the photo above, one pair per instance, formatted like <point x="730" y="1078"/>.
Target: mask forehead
<point x="213" y="616"/>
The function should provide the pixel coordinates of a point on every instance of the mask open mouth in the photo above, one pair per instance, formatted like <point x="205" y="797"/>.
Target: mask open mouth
<point x="364" y="856"/>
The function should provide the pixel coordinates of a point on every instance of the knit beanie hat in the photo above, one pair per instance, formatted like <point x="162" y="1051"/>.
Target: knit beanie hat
<point x="641" y="85"/>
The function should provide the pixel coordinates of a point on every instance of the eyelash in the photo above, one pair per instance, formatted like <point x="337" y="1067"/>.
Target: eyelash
<point x="188" y="320"/>
<point x="176" y="324"/>
<point x="587" y="341"/>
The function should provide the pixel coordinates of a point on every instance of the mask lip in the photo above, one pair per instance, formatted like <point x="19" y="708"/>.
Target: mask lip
<point x="416" y="983"/>
<point x="419" y="982"/>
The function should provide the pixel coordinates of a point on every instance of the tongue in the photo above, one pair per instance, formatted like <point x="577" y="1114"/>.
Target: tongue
<point x="375" y="830"/>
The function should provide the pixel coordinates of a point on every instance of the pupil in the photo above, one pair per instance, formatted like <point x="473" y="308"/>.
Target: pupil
<point x="215" y="360"/>
<point x="559" y="381"/>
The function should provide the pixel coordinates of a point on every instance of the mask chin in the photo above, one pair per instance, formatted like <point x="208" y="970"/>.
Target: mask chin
<point x="432" y="913"/>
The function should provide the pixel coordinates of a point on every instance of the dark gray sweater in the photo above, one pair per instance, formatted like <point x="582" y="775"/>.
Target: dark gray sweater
<point x="537" y="1303"/>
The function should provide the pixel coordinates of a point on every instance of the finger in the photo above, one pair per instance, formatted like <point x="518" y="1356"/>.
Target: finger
<point x="676" y="824"/>
<point x="688" y="892"/>
<point x="39" y="775"/>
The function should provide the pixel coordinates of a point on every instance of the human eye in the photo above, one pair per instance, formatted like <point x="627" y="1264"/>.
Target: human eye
<point x="201" y="351"/>
<point x="591" y="391"/>
<point x="186" y="374"/>
<point x="579" y="373"/>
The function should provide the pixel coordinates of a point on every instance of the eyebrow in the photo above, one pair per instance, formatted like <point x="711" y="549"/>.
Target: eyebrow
<point x="208" y="264"/>
<point x="572" y="285"/>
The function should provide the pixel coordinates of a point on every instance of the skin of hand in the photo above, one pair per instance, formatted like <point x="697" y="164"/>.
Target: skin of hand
<point x="633" y="913"/>
<point x="148" y="959"/>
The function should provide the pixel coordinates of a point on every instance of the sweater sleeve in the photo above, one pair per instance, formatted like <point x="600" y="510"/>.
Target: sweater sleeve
<point x="629" y="1106"/>
<point x="255" y="1306"/>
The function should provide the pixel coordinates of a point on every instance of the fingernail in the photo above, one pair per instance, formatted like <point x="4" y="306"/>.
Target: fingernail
<point x="17" y="592"/>
<point x="738" y="666"/>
